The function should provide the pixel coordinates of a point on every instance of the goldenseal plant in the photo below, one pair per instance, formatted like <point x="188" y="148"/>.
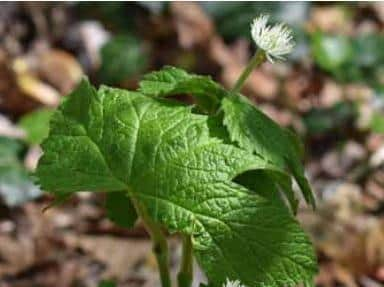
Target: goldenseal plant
<point x="219" y="174"/>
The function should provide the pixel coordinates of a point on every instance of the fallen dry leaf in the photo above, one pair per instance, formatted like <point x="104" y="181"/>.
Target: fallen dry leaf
<point x="38" y="90"/>
<point x="374" y="141"/>
<point x="379" y="9"/>
<point x="12" y="100"/>
<point x="330" y="19"/>
<point x="32" y="157"/>
<point x="92" y="36"/>
<point x="193" y="27"/>
<point x="60" y="69"/>
<point x="119" y="254"/>
<point x="8" y="129"/>
<point x="330" y="94"/>
<point x="358" y="92"/>
<point x="283" y="117"/>
<point x="377" y="158"/>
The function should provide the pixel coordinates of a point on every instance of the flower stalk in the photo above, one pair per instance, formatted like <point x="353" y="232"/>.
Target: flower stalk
<point x="273" y="42"/>
<point x="185" y="275"/>
<point x="160" y="244"/>
<point x="256" y="60"/>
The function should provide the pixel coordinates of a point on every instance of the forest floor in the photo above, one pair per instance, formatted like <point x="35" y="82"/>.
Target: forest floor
<point x="330" y="92"/>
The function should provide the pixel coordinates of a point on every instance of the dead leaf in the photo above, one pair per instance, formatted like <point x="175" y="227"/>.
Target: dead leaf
<point x="12" y="100"/>
<point x="332" y="273"/>
<point x="39" y="91"/>
<point x="283" y="117"/>
<point x="193" y="26"/>
<point x="60" y="69"/>
<point x="8" y="129"/>
<point x="330" y="94"/>
<point x="377" y="157"/>
<point x="374" y="243"/>
<point x="92" y="36"/>
<point x="358" y="92"/>
<point x="374" y="141"/>
<point x="330" y="19"/>
<point x="379" y="9"/>
<point x="32" y="157"/>
<point x="119" y="255"/>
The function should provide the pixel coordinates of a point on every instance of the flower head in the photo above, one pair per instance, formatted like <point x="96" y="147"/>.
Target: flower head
<point x="276" y="40"/>
<point x="235" y="283"/>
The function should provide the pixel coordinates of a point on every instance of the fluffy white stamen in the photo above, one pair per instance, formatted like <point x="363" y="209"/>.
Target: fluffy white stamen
<point x="276" y="41"/>
<point x="235" y="283"/>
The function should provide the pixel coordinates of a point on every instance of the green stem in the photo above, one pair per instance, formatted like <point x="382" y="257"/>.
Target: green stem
<point x="160" y="245"/>
<point x="256" y="60"/>
<point x="185" y="275"/>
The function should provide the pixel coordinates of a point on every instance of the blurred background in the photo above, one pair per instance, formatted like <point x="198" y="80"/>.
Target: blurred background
<point x="330" y="92"/>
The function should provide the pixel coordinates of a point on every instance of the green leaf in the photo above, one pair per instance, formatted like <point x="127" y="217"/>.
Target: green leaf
<point x="172" y="81"/>
<point x="116" y="16"/>
<point x="120" y="209"/>
<point x="15" y="186"/>
<point x="320" y="121"/>
<point x="72" y="160"/>
<point x="107" y="284"/>
<point x="9" y="148"/>
<point x="257" y="180"/>
<point x="121" y="58"/>
<point x="369" y="49"/>
<point x="36" y="125"/>
<point x="267" y="240"/>
<point x="167" y="160"/>
<point x="255" y="132"/>
<point x="331" y="52"/>
<point x="350" y="59"/>
<point x="377" y="123"/>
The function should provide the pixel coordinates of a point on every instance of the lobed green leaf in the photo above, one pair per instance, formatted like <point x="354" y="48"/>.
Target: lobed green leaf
<point x="165" y="157"/>
<point x="246" y="125"/>
<point x="255" y="132"/>
<point x="172" y="81"/>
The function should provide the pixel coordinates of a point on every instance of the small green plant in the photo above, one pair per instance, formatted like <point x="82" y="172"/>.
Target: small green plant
<point x="219" y="173"/>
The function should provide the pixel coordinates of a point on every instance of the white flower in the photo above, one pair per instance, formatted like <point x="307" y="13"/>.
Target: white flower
<point x="235" y="283"/>
<point x="276" y="40"/>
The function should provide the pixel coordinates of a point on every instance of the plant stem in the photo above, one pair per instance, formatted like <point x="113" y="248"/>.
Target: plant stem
<point x="185" y="275"/>
<point x="256" y="60"/>
<point x="160" y="245"/>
